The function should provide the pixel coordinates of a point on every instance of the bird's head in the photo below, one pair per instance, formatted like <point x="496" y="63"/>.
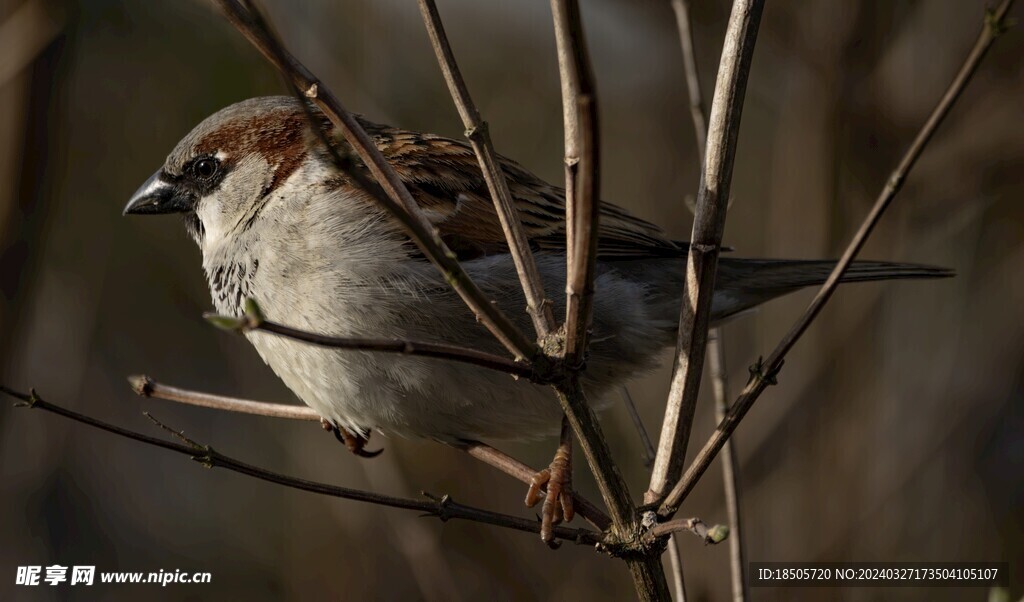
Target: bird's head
<point x="221" y="174"/>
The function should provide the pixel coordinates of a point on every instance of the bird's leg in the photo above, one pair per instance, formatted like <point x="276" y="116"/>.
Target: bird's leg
<point x="353" y="441"/>
<point x="557" y="478"/>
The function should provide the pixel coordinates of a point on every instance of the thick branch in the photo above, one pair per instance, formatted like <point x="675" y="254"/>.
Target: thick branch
<point x="995" y="23"/>
<point x="479" y="137"/>
<point x="391" y="193"/>
<point x="441" y="507"/>
<point x="716" y="343"/>
<point x="705" y="245"/>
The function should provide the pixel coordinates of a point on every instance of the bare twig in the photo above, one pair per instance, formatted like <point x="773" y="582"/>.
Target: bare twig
<point x="569" y="77"/>
<point x="582" y="268"/>
<point x="705" y="245"/>
<point x="716" y="342"/>
<point x="391" y="192"/>
<point x="645" y="439"/>
<point x="710" y="535"/>
<point x="995" y="24"/>
<point x="147" y="387"/>
<point x="700" y="127"/>
<point x="675" y="561"/>
<point x="479" y="137"/>
<point x="579" y="97"/>
<point x="253" y="320"/>
<point x="730" y="478"/>
<point x="442" y="507"/>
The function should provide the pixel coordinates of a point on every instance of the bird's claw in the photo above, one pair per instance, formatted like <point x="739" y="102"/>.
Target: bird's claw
<point x="554" y="484"/>
<point x="354" y="442"/>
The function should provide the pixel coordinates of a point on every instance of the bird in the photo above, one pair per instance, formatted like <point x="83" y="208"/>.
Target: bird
<point x="276" y="221"/>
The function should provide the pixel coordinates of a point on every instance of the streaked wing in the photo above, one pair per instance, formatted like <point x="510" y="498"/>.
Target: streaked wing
<point x="444" y="177"/>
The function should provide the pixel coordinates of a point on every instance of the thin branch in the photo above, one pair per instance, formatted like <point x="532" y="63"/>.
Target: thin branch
<point x="710" y="535"/>
<point x="391" y="192"/>
<point x="582" y="268"/>
<point x="442" y="507"/>
<point x="479" y="137"/>
<point x="147" y="387"/>
<point x="705" y="245"/>
<point x="700" y="126"/>
<point x="569" y="78"/>
<point x="253" y="320"/>
<point x="716" y="342"/>
<point x="641" y="430"/>
<point x="730" y="469"/>
<point x="995" y="24"/>
<point x="675" y="561"/>
<point x="579" y="97"/>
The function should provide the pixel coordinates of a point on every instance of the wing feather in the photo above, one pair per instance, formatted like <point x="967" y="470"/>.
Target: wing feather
<point x="445" y="179"/>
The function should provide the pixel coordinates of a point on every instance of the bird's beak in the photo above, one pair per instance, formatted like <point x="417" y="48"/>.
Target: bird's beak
<point x="159" y="195"/>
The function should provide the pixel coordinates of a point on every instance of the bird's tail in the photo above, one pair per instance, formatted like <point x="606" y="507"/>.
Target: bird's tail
<point x="788" y="274"/>
<point x="746" y="283"/>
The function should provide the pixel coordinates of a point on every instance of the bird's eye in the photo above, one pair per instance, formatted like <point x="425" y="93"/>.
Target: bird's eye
<point x="205" y="168"/>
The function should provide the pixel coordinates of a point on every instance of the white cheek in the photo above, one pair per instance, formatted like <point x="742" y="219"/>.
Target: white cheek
<point x="222" y="210"/>
<point x="211" y="214"/>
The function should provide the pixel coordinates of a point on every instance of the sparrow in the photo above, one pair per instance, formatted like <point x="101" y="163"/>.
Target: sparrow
<point x="276" y="221"/>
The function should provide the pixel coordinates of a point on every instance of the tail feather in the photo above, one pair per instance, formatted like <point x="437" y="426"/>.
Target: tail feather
<point x="745" y="283"/>
<point x="787" y="274"/>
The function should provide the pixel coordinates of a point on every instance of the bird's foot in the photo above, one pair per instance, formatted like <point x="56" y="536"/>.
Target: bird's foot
<point x="354" y="442"/>
<point x="554" y="484"/>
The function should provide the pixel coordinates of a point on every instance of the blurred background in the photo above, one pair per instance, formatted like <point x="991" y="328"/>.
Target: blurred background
<point x="896" y="432"/>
